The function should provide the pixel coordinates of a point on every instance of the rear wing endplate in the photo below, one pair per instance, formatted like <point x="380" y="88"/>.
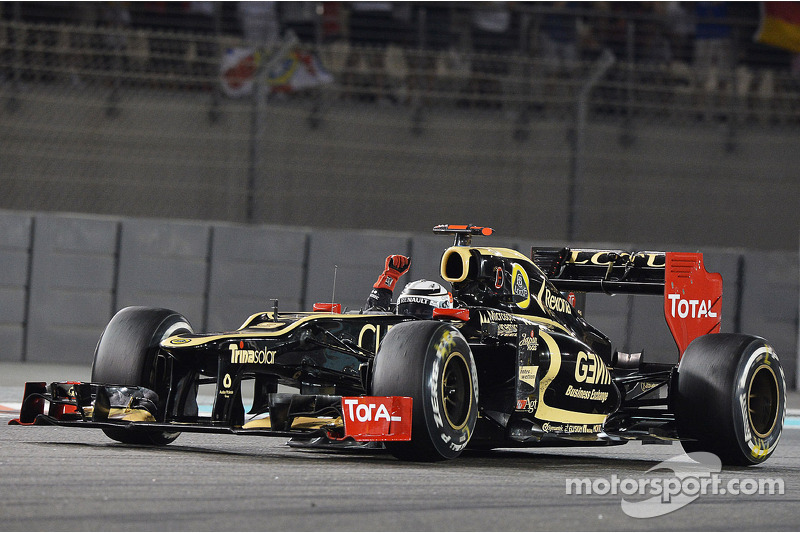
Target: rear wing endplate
<point x="692" y="296"/>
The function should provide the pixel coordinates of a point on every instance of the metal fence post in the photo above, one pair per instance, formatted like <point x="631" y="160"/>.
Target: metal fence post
<point x="627" y="137"/>
<point x="601" y="66"/>
<point x="252" y="168"/>
<point x="216" y="92"/>
<point x="260" y="99"/>
<point x="26" y="313"/>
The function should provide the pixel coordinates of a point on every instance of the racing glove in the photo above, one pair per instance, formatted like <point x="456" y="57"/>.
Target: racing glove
<point x="396" y="266"/>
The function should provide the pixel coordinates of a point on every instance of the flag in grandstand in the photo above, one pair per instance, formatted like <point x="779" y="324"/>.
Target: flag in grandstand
<point x="300" y="70"/>
<point x="780" y="25"/>
<point x="237" y="71"/>
<point x="297" y="71"/>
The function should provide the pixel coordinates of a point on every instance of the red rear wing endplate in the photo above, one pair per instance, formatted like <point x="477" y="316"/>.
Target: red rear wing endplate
<point x="692" y="298"/>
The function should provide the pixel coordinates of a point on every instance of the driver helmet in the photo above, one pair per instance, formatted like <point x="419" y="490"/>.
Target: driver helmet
<point x="420" y="298"/>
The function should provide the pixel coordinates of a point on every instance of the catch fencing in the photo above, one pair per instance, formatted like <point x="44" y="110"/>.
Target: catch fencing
<point x="134" y="121"/>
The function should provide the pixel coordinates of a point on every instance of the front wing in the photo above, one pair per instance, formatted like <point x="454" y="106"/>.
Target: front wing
<point x="94" y="405"/>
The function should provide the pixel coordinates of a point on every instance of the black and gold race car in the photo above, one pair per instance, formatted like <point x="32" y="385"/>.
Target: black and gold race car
<point x="512" y="363"/>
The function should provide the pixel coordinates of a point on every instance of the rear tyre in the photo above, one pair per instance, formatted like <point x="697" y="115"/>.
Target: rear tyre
<point x="431" y="362"/>
<point x="128" y="354"/>
<point x="731" y="398"/>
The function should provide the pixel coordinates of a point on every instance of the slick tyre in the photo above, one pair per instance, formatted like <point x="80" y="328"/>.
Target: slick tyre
<point x="128" y="354"/>
<point x="432" y="363"/>
<point x="731" y="398"/>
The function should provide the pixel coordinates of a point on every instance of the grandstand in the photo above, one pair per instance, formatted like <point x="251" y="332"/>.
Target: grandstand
<point x="568" y="120"/>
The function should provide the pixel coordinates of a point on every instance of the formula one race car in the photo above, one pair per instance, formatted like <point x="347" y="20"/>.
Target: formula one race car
<point x="512" y="363"/>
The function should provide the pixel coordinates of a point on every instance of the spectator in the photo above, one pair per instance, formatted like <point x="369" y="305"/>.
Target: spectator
<point x="372" y="23"/>
<point x="492" y="35"/>
<point x="332" y="21"/>
<point x="300" y="17"/>
<point x="259" y="22"/>
<point x="679" y="28"/>
<point x="200" y="17"/>
<point x="713" y="53"/>
<point x="82" y="41"/>
<point x="432" y="22"/>
<point x="437" y="30"/>
<point x="558" y="41"/>
<point x="558" y="38"/>
<point x="114" y="19"/>
<point x="652" y="41"/>
<point x="372" y="28"/>
<point x="491" y="28"/>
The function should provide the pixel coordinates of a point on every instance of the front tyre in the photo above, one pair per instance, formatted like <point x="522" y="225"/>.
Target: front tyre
<point x="731" y="398"/>
<point x="128" y="354"/>
<point x="431" y="362"/>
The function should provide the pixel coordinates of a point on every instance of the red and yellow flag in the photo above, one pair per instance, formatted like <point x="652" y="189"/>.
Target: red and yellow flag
<point x="780" y="25"/>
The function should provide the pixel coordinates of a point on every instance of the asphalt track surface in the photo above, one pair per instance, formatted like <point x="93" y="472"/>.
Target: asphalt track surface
<point x="66" y="479"/>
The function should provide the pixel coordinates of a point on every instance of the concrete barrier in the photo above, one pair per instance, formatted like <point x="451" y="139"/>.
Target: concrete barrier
<point x="164" y="263"/>
<point x="250" y="266"/>
<point x="62" y="277"/>
<point x="769" y="304"/>
<point x="72" y="287"/>
<point x="15" y="242"/>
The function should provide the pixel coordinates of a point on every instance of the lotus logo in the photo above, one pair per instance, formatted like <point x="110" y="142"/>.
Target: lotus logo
<point x="521" y="287"/>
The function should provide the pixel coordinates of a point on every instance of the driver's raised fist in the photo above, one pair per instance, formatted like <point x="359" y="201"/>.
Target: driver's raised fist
<point x="396" y="266"/>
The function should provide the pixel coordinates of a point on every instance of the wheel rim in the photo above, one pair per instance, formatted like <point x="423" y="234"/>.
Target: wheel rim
<point x="456" y="391"/>
<point x="762" y="401"/>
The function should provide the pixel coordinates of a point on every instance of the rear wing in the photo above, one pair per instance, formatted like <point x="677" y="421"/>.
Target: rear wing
<point x="610" y="271"/>
<point x="692" y="296"/>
